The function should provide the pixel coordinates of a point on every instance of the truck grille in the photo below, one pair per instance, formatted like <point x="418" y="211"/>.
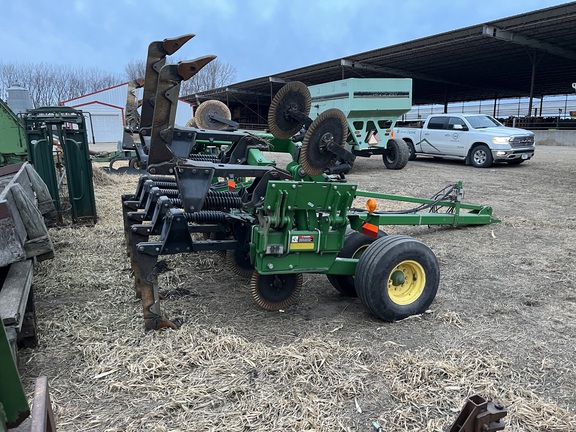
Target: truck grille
<point x="522" y="141"/>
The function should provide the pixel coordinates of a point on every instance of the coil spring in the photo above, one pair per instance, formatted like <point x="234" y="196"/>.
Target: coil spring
<point x="165" y="184"/>
<point x="177" y="202"/>
<point x="169" y="192"/>
<point x="206" y="216"/>
<point x="204" y="157"/>
<point x="222" y="202"/>
<point x="212" y="192"/>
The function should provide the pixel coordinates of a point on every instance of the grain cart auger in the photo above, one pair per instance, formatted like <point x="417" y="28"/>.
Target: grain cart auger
<point x="284" y="223"/>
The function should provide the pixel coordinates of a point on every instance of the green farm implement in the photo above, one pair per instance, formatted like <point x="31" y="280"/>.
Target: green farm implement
<point x="275" y="225"/>
<point x="12" y="137"/>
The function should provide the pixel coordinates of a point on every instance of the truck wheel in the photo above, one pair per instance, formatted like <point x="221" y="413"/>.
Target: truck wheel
<point x="396" y="155"/>
<point x="481" y="156"/>
<point x="355" y="243"/>
<point x="397" y="276"/>
<point x="411" y="150"/>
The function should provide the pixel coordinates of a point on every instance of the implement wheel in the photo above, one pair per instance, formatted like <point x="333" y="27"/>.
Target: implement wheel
<point x="397" y="276"/>
<point x="238" y="261"/>
<point x="134" y="163"/>
<point x="209" y="108"/>
<point x="397" y="154"/>
<point x="355" y="243"/>
<point x="293" y="97"/>
<point x="275" y="291"/>
<point x="315" y="157"/>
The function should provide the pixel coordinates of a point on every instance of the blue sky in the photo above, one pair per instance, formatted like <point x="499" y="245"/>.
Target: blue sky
<point x="257" y="37"/>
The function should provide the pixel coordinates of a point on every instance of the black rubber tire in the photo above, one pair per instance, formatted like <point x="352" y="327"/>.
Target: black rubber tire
<point x="355" y="243"/>
<point x="481" y="156"/>
<point x="377" y="266"/>
<point x="411" y="150"/>
<point x="134" y="163"/>
<point x="397" y="154"/>
<point x="516" y="161"/>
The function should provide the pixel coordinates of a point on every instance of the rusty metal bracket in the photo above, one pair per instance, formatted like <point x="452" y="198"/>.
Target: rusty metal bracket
<point x="42" y="414"/>
<point x="157" y="52"/>
<point x="479" y="415"/>
<point x="166" y="102"/>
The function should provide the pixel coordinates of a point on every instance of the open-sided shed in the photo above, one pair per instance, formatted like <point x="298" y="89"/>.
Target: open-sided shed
<point x="529" y="55"/>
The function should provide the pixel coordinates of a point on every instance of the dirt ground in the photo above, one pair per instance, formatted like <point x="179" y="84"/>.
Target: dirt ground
<point x="503" y="324"/>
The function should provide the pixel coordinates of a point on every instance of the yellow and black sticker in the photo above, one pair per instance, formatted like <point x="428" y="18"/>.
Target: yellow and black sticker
<point x="302" y="242"/>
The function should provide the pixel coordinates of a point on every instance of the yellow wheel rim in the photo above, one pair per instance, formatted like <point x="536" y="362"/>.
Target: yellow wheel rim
<point x="406" y="282"/>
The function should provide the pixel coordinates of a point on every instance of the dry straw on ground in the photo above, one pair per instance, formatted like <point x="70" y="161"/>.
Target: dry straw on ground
<point x="107" y="374"/>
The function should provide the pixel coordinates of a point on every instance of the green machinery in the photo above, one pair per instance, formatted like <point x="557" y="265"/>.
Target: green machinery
<point x="14" y="408"/>
<point x="12" y="137"/>
<point x="53" y="127"/>
<point x="277" y="224"/>
<point x="372" y="107"/>
<point x="13" y="403"/>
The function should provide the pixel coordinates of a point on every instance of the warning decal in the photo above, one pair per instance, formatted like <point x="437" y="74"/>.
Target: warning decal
<point x="302" y="242"/>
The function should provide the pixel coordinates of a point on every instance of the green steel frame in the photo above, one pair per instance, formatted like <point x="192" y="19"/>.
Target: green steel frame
<point x="13" y="400"/>
<point x="302" y="223"/>
<point x="66" y="126"/>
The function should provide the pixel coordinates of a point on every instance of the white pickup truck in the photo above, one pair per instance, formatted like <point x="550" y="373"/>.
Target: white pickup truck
<point x="478" y="139"/>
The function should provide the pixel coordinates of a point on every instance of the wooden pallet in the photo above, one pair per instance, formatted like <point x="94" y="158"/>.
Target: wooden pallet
<point x="17" y="305"/>
<point x="24" y="203"/>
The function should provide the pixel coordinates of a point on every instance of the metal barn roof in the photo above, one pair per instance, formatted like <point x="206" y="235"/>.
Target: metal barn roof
<point x="494" y="60"/>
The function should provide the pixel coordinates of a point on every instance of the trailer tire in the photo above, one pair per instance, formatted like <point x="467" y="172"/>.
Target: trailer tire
<point x="481" y="156"/>
<point x="355" y="243"/>
<point x="396" y="155"/>
<point x="396" y="277"/>
<point x="411" y="150"/>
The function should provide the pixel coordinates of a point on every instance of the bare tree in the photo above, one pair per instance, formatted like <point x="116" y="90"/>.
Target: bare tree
<point x="215" y="74"/>
<point x="135" y="70"/>
<point x="50" y="84"/>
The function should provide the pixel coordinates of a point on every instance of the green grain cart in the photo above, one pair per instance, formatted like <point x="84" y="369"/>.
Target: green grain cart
<point x="371" y="106"/>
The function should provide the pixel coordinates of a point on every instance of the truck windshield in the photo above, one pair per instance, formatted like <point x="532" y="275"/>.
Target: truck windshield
<point x="483" y="121"/>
